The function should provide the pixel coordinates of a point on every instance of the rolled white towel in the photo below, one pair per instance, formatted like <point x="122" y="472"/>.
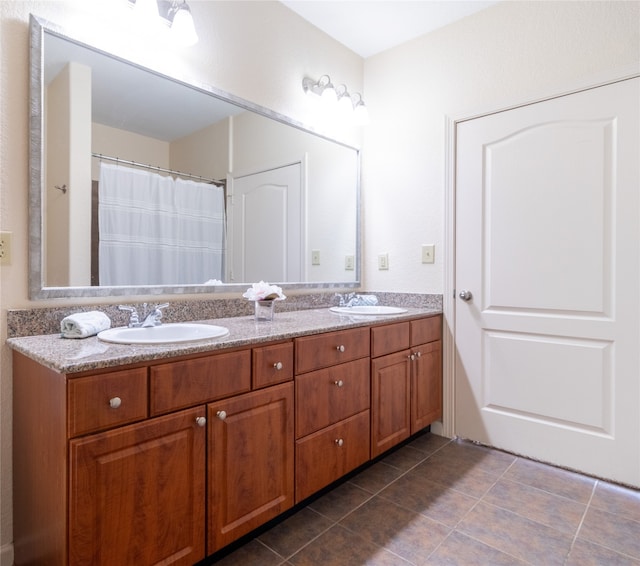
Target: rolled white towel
<point x="84" y="324"/>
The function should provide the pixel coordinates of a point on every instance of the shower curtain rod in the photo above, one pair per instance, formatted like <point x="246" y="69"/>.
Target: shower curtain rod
<point x="159" y="169"/>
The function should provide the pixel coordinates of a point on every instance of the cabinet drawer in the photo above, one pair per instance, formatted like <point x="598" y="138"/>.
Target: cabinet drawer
<point x="101" y="401"/>
<point x="183" y="384"/>
<point x="327" y="455"/>
<point x="426" y="330"/>
<point x="324" y="350"/>
<point x="272" y="364"/>
<point x="389" y="338"/>
<point x="326" y="396"/>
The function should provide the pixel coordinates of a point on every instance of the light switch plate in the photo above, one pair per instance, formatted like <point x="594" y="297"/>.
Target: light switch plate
<point x="428" y="253"/>
<point x="383" y="262"/>
<point x="349" y="262"/>
<point x="315" y="257"/>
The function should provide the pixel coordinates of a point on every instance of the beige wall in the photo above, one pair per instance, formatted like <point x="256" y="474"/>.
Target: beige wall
<point x="507" y="54"/>
<point x="260" y="51"/>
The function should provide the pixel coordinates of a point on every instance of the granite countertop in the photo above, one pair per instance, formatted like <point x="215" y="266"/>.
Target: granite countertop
<point x="80" y="355"/>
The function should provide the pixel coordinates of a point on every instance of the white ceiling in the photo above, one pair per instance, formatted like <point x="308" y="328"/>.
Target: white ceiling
<point x="368" y="27"/>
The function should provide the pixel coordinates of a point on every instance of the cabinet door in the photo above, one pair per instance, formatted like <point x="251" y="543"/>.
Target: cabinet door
<point x="390" y="401"/>
<point x="250" y="462"/>
<point x="137" y="494"/>
<point x="426" y="385"/>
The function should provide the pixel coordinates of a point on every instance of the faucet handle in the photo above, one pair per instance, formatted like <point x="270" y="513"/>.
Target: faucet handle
<point x="133" y="317"/>
<point x="157" y="311"/>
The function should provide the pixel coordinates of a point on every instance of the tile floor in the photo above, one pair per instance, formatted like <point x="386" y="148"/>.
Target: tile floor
<point x="436" y="501"/>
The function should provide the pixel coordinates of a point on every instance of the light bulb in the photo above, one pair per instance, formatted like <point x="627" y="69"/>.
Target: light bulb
<point x="361" y="114"/>
<point x="329" y="94"/>
<point x="146" y="9"/>
<point x="183" y="29"/>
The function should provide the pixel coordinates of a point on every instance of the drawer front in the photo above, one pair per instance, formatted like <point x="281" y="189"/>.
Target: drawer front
<point x="327" y="455"/>
<point x="324" y="350"/>
<point x="98" y="402"/>
<point x="272" y="364"/>
<point x="326" y="396"/>
<point x="182" y="384"/>
<point x="426" y="330"/>
<point x="390" y="338"/>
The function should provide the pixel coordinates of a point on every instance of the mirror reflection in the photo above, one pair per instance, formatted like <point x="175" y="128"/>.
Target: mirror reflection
<point x="147" y="181"/>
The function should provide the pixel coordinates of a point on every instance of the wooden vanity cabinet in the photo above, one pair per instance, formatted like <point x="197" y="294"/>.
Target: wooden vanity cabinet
<point x="137" y="493"/>
<point x="250" y="462"/>
<point x="167" y="462"/>
<point x="406" y="380"/>
<point x="332" y="407"/>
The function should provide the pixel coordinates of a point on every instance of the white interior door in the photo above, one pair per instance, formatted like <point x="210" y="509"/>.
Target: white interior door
<point x="548" y="246"/>
<point x="266" y="226"/>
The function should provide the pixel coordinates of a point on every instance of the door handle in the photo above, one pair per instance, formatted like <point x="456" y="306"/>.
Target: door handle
<point x="465" y="295"/>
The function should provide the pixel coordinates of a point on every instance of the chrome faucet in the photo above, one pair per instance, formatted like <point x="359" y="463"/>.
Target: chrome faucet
<point x="354" y="300"/>
<point x="151" y="317"/>
<point x="345" y="299"/>
<point x="154" y="316"/>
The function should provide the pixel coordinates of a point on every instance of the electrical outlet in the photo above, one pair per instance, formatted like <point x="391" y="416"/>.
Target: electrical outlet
<point x="383" y="261"/>
<point x="315" y="257"/>
<point x="428" y="253"/>
<point x="349" y="263"/>
<point x="5" y="248"/>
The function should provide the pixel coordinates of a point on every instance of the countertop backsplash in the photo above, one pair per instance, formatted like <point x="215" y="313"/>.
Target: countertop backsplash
<point x="34" y="322"/>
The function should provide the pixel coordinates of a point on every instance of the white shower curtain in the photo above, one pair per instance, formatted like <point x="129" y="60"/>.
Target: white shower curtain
<point x="156" y="230"/>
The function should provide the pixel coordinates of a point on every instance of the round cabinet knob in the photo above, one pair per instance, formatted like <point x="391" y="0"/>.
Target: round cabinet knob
<point x="412" y="357"/>
<point x="201" y="421"/>
<point x="115" y="402"/>
<point x="278" y="365"/>
<point x="465" y="295"/>
<point x="339" y="383"/>
<point x="418" y="354"/>
<point x="221" y="415"/>
<point x="339" y="442"/>
<point x="340" y="348"/>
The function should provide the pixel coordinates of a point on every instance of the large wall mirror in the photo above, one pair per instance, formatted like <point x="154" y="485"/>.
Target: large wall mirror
<point x="143" y="183"/>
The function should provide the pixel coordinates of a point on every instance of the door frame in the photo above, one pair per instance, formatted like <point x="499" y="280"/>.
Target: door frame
<point x="447" y="428"/>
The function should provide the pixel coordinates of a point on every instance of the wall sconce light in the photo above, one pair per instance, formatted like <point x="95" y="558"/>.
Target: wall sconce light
<point x="324" y="88"/>
<point x="145" y="9"/>
<point x="181" y="22"/>
<point x="175" y="14"/>
<point x="360" y="112"/>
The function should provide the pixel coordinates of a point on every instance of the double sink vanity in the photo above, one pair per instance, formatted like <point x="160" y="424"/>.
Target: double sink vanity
<point x="166" y="453"/>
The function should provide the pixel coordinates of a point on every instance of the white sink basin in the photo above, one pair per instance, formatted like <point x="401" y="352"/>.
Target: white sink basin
<point x="368" y="310"/>
<point x="163" y="334"/>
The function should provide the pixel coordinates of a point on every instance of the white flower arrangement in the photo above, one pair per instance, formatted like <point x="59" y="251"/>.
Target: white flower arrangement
<point x="264" y="292"/>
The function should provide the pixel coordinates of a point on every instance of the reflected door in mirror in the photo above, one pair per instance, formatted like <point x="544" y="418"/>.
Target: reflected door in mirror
<point x="267" y="226"/>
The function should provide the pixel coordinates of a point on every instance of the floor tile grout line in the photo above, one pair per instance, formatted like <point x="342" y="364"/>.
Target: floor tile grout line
<point x="584" y="515"/>
<point x="403" y="473"/>
<point x="371" y="496"/>
<point x="478" y="501"/>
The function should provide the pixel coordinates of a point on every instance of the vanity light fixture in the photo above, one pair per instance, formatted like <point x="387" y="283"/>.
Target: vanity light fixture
<point x="340" y="95"/>
<point x="323" y="87"/>
<point x="181" y="22"/>
<point x="175" y="14"/>
<point x="360" y="112"/>
<point x="146" y="9"/>
<point x="345" y="103"/>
